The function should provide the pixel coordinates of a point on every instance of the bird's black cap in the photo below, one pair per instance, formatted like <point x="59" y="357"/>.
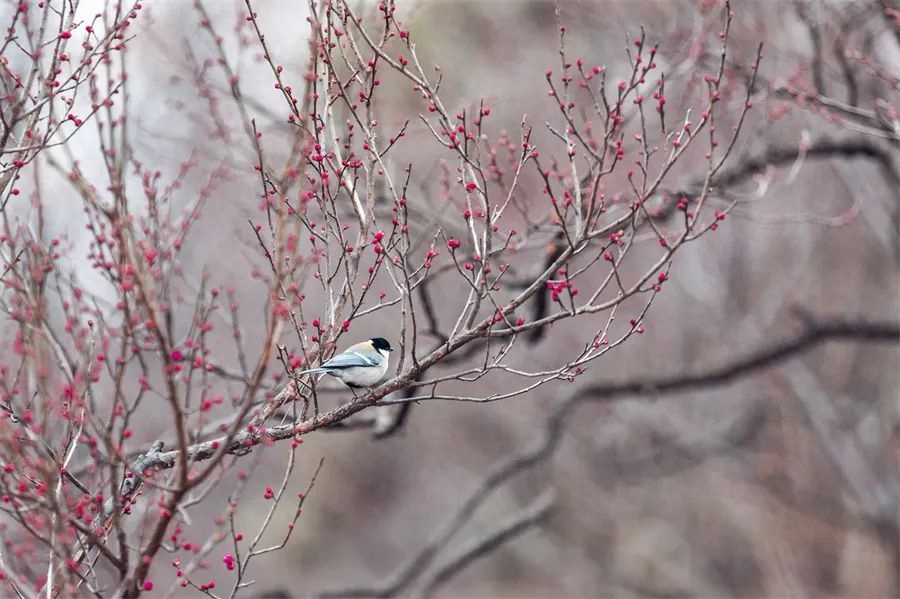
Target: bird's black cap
<point x="381" y="343"/>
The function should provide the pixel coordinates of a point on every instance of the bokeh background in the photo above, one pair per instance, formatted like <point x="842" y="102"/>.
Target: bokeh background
<point x="783" y="483"/>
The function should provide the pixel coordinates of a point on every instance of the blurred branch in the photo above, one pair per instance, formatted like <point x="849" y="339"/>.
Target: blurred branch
<point x="815" y="36"/>
<point x="866" y="121"/>
<point x="840" y="49"/>
<point x="541" y="301"/>
<point x="739" y="171"/>
<point x="890" y="11"/>
<point x="516" y="524"/>
<point x="821" y="148"/>
<point x="815" y="333"/>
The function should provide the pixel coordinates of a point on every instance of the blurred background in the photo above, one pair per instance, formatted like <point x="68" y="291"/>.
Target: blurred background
<point x="783" y="482"/>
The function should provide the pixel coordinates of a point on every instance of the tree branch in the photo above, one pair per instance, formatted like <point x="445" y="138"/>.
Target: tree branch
<point x="821" y="148"/>
<point x="815" y="333"/>
<point x="510" y="528"/>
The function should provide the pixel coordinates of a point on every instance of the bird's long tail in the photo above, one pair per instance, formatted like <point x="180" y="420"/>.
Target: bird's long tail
<point x="310" y="371"/>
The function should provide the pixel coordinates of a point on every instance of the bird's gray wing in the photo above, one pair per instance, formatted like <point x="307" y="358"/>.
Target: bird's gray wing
<point x="349" y="360"/>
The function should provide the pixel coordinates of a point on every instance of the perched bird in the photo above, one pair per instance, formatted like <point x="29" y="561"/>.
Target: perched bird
<point x="359" y="366"/>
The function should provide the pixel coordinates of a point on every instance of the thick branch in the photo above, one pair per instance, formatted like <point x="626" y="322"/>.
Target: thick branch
<point x="820" y="148"/>
<point x="814" y="334"/>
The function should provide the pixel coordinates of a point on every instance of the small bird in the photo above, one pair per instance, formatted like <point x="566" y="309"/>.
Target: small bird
<point x="359" y="366"/>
